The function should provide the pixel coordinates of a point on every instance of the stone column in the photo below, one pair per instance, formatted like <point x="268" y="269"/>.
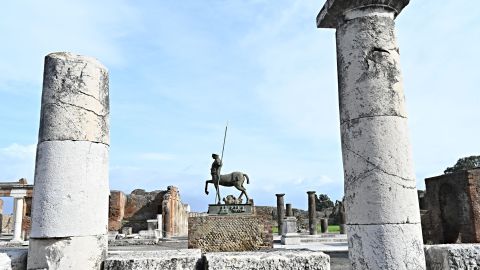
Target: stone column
<point x="17" y="219"/>
<point x="324" y="225"/>
<point x="312" y="212"/>
<point x="383" y="220"/>
<point x="1" y="216"/>
<point x="70" y="200"/>
<point x="280" y="212"/>
<point x="289" y="211"/>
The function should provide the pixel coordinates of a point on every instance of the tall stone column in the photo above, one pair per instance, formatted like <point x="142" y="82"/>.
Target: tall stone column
<point x="17" y="219"/>
<point x="280" y="212"/>
<point x="383" y="224"/>
<point x="312" y="213"/>
<point x="289" y="212"/>
<point x="70" y="197"/>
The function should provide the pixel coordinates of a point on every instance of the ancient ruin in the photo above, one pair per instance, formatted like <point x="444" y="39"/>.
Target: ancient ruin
<point x="452" y="204"/>
<point x="380" y="189"/>
<point x="21" y="191"/>
<point x="137" y="208"/>
<point x="71" y="174"/>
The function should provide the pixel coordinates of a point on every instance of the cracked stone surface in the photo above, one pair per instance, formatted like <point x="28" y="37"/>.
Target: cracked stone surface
<point x="71" y="192"/>
<point x="268" y="260"/>
<point x="453" y="256"/>
<point x="379" y="176"/>
<point x="67" y="253"/>
<point x="69" y="208"/>
<point x="75" y="100"/>
<point x="387" y="246"/>
<point x="145" y="260"/>
<point x="381" y="201"/>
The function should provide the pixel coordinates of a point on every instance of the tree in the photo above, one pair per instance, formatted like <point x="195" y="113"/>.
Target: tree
<point x="322" y="202"/>
<point x="466" y="163"/>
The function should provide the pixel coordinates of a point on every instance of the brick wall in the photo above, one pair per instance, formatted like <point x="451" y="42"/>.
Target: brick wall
<point x="453" y="210"/>
<point x="116" y="210"/>
<point x="174" y="214"/>
<point x="133" y="210"/>
<point x="229" y="233"/>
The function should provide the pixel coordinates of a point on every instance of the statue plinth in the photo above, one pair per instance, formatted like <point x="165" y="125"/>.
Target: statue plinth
<point x="231" y="209"/>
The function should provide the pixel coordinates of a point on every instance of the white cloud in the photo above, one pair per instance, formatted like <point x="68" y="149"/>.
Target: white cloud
<point x="32" y="29"/>
<point x="19" y="152"/>
<point x="17" y="161"/>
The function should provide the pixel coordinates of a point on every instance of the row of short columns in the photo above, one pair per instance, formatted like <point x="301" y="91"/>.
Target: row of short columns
<point x="312" y="212"/>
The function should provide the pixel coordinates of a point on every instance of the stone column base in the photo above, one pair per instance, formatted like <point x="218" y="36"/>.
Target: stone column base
<point x="78" y="252"/>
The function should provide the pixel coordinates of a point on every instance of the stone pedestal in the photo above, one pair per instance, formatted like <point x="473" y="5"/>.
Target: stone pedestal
<point x="289" y="232"/>
<point x="70" y="200"/>
<point x="215" y="233"/>
<point x="380" y="187"/>
<point x="312" y="212"/>
<point x="280" y="211"/>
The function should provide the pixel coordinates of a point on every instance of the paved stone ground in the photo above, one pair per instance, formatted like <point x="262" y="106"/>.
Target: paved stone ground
<point x="337" y="251"/>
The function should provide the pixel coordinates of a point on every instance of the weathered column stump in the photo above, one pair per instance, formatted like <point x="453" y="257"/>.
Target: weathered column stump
<point x="289" y="211"/>
<point x="383" y="223"/>
<point x="70" y="201"/>
<point x="324" y="225"/>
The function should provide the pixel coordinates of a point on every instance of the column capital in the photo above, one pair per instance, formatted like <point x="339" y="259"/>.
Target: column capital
<point x="280" y="195"/>
<point x="332" y="10"/>
<point x="311" y="192"/>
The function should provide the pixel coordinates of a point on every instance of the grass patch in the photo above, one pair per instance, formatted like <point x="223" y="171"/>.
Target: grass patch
<point x="334" y="228"/>
<point x="274" y="229"/>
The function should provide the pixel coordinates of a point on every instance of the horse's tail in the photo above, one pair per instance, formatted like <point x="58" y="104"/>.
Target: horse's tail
<point x="246" y="176"/>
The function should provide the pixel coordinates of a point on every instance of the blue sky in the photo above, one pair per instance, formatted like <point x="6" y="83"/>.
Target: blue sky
<point x="179" y="70"/>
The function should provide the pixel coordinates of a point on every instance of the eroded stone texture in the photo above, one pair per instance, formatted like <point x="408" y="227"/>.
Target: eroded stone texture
<point x="453" y="257"/>
<point x="269" y="260"/>
<point x="388" y="246"/>
<point x="13" y="259"/>
<point x="380" y="191"/>
<point x="71" y="189"/>
<point x="70" y="214"/>
<point x="86" y="252"/>
<point x="188" y="259"/>
<point x="75" y="101"/>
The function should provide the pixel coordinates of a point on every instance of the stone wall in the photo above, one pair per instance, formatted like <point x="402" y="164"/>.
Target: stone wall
<point x="174" y="214"/>
<point x="116" y="210"/>
<point x="133" y="210"/>
<point x="453" y="208"/>
<point x="229" y="233"/>
<point x="140" y="206"/>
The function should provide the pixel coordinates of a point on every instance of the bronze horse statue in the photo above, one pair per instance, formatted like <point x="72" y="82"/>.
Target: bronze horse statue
<point x="234" y="179"/>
